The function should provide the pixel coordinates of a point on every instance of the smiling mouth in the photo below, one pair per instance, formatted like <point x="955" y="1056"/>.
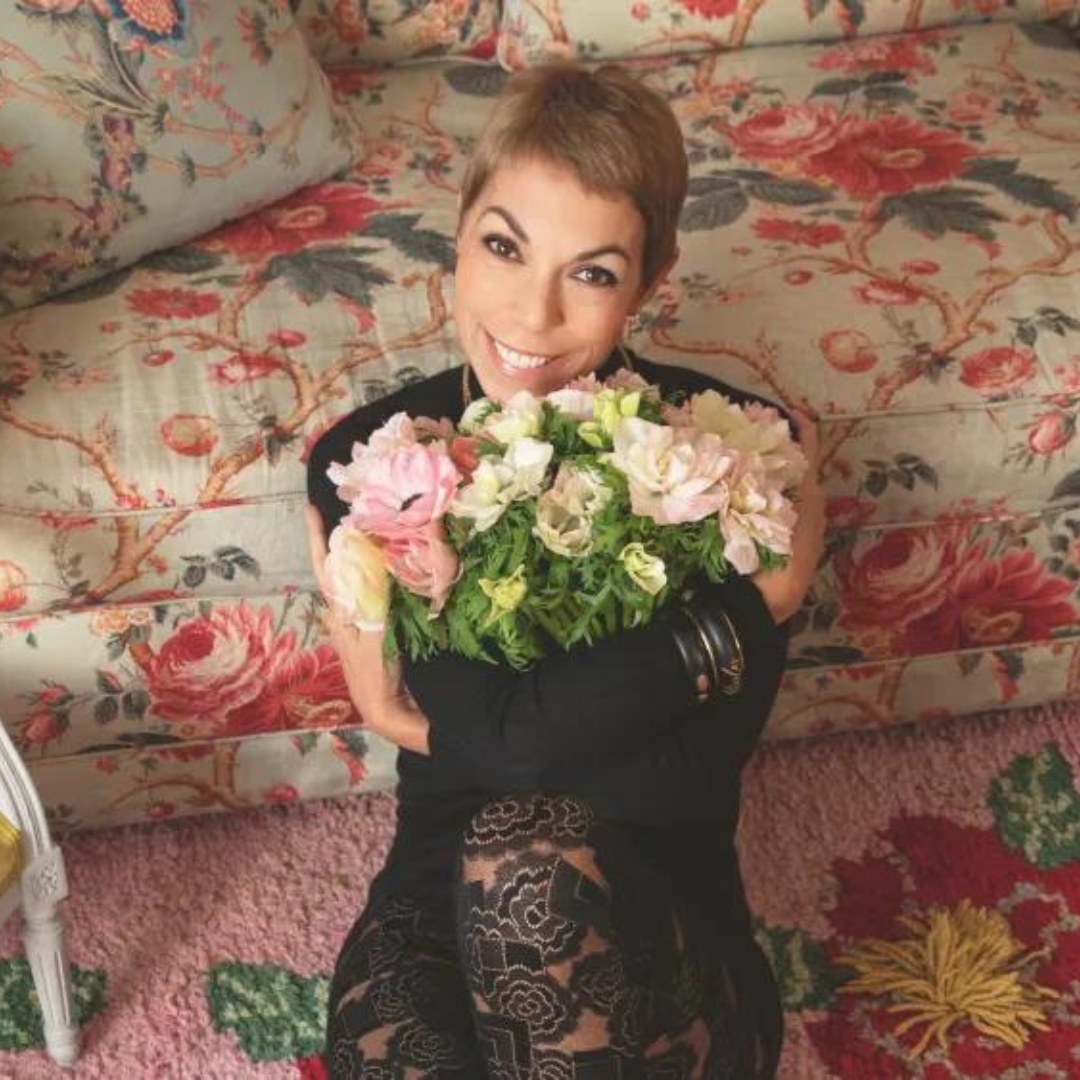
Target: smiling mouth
<point x="518" y="361"/>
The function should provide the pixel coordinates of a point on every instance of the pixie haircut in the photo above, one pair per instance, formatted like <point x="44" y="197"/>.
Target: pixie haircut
<point x="613" y="133"/>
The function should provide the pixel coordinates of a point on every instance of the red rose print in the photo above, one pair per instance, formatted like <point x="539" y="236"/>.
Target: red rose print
<point x="192" y="436"/>
<point x="321" y="212"/>
<point x="899" y="52"/>
<point x="711" y="9"/>
<point x="813" y="235"/>
<point x="998" y="369"/>
<point x="785" y="131"/>
<point x="889" y="156"/>
<point x="920" y="266"/>
<point x="898" y="586"/>
<point x="848" y="511"/>
<point x="1052" y="432"/>
<point x="885" y="294"/>
<point x="40" y="728"/>
<point x="848" y="350"/>
<point x="244" y="367"/>
<point x="173" y="303"/>
<point x="12" y="586"/>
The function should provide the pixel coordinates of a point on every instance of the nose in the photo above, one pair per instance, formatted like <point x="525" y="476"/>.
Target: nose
<point x="540" y="304"/>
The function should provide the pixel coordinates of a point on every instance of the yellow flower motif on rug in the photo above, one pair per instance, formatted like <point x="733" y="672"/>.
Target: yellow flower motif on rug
<point x="959" y="964"/>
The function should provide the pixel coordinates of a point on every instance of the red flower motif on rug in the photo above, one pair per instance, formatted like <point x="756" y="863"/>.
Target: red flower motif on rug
<point x="922" y="862"/>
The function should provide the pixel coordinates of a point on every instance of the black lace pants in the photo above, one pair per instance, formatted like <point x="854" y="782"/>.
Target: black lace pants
<point x="571" y="960"/>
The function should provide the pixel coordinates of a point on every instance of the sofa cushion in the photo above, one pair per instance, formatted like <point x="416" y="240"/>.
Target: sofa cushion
<point x="128" y="127"/>
<point x="535" y="30"/>
<point x="902" y="259"/>
<point x="344" y="32"/>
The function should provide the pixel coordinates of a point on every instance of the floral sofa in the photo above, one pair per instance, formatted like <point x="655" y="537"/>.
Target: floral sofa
<point x="223" y="226"/>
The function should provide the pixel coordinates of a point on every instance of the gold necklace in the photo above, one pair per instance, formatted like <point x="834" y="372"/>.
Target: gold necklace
<point x="466" y="392"/>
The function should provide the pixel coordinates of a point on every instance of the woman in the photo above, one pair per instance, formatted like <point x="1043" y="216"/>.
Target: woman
<point x="562" y="897"/>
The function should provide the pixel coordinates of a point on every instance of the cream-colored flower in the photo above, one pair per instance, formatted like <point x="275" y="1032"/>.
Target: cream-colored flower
<point x="646" y="571"/>
<point x="560" y="530"/>
<point x="497" y="482"/>
<point x="472" y="419"/>
<point x="756" y="513"/>
<point x="520" y="418"/>
<point x="357" y="577"/>
<point x="505" y="593"/>
<point x="610" y="406"/>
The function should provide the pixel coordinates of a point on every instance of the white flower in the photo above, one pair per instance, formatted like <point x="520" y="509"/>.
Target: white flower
<point x="564" y="513"/>
<point x="757" y="513"/>
<point x="752" y="429"/>
<point x="472" y="419"/>
<point x="520" y="418"/>
<point x="646" y="571"/>
<point x="577" y="404"/>
<point x="675" y="474"/>
<point x="358" y="578"/>
<point x="581" y="489"/>
<point x="497" y="482"/>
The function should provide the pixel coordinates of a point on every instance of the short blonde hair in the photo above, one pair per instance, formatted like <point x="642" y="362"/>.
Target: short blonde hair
<point x="613" y="133"/>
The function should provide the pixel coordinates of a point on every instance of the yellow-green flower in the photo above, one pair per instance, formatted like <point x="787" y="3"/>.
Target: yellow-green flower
<point x="505" y="593"/>
<point x="646" y="571"/>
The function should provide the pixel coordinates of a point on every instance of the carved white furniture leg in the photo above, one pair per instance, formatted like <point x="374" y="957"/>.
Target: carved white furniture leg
<point x="42" y="885"/>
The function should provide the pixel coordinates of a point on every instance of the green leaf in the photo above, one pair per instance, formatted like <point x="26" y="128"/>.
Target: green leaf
<point x="93" y="290"/>
<point x="20" y="1014"/>
<point x="1037" y="808"/>
<point x="856" y="11"/>
<point x="941" y="210"/>
<point x="106" y="710"/>
<point x="275" y="1014"/>
<point x="714" y="211"/>
<point x="837" y="87"/>
<point x="476" y="80"/>
<point x="1025" y="188"/>
<point x="317" y="272"/>
<point x="803" y="973"/>
<point x="422" y="245"/>
<point x="1068" y="486"/>
<point x="1047" y="35"/>
<point x="182" y="260"/>
<point x="788" y="192"/>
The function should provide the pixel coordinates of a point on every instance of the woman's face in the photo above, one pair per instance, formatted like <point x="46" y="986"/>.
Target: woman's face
<point x="547" y="273"/>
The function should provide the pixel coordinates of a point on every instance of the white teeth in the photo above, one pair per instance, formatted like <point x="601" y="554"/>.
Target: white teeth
<point x="514" y="359"/>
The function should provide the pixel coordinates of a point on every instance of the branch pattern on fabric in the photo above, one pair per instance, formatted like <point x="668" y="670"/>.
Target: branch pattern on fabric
<point x="550" y="521"/>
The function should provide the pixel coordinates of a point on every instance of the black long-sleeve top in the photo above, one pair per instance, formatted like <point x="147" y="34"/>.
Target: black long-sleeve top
<point x="613" y="723"/>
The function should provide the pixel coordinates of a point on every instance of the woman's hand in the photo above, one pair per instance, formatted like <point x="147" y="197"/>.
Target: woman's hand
<point x="375" y="687"/>
<point x="784" y="590"/>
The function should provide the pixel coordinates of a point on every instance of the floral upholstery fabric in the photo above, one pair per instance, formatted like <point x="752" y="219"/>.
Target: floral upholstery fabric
<point x="127" y="126"/>
<point x="887" y="237"/>
<point x="345" y="32"/>
<point x="534" y="30"/>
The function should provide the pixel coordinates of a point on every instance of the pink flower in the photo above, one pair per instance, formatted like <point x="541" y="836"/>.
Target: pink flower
<point x="12" y="586"/>
<point x="425" y="563"/>
<point x="1052" y="432"/>
<point x="675" y="474"/>
<point x="405" y="491"/>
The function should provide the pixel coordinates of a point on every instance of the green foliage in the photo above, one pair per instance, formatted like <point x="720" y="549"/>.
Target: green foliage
<point x="20" y="1014"/>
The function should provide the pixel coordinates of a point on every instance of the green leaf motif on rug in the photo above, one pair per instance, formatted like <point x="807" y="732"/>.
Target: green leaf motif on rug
<point x="20" y="1015"/>
<point x="803" y="972"/>
<point x="275" y="1014"/>
<point x="1037" y="808"/>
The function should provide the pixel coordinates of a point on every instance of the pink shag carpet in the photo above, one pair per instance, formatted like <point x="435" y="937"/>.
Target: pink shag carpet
<point x="926" y="876"/>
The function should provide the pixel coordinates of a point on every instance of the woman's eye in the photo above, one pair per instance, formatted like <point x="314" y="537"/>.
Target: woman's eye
<point x="500" y="246"/>
<point x="597" y="275"/>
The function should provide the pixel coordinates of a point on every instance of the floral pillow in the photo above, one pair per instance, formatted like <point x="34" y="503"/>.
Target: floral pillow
<point x="392" y="31"/>
<point x="132" y="125"/>
<point x="535" y="30"/>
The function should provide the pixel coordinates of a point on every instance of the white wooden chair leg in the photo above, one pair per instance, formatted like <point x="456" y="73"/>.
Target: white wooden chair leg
<point x="44" y="885"/>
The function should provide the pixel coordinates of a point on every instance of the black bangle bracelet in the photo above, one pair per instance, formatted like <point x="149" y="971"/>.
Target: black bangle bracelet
<point x="723" y="644"/>
<point x="693" y="651"/>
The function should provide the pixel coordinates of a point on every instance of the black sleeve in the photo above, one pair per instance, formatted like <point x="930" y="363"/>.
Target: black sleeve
<point x="577" y="710"/>
<point x="692" y="772"/>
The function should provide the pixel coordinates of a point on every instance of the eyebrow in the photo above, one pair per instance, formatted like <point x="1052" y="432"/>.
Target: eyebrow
<point x="593" y="253"/>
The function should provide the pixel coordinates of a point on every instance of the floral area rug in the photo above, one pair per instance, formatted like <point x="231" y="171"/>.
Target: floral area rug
<point x="918" y="892"/>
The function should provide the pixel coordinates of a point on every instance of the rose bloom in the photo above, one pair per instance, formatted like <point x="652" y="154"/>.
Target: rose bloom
<point x="40" y="728"/>
<point x="971" y="106"/>
<point x="244" y="367"/>
<point x="848" y="511"/>
<point x="848" y="350"/>
<point x="885" y="294"/>
<point x="898" y="586"/>
<point x="998" y="369"/>
<point x="786" y="131"/>
<point x="404" y="491"/>
<point x="889" y="156"/>
<point x="192" y="436"/>
<point x="425" y="563"/>
<point x="1051" y="432"/>
<point x="756" y="512"/>
<point x="809" y="234"/>
<point x="12" y="586"/>
<point x="675" y="475"/>
<point x="330" y="211"/>
<point x="173" y="303"/>
<point x="357" y="576"/>
<point x="711" y="9"/>
<point x="892" y="52"/>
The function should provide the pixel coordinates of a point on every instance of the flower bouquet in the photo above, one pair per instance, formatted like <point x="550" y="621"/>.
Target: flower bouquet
<point x="549" y="521"/>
